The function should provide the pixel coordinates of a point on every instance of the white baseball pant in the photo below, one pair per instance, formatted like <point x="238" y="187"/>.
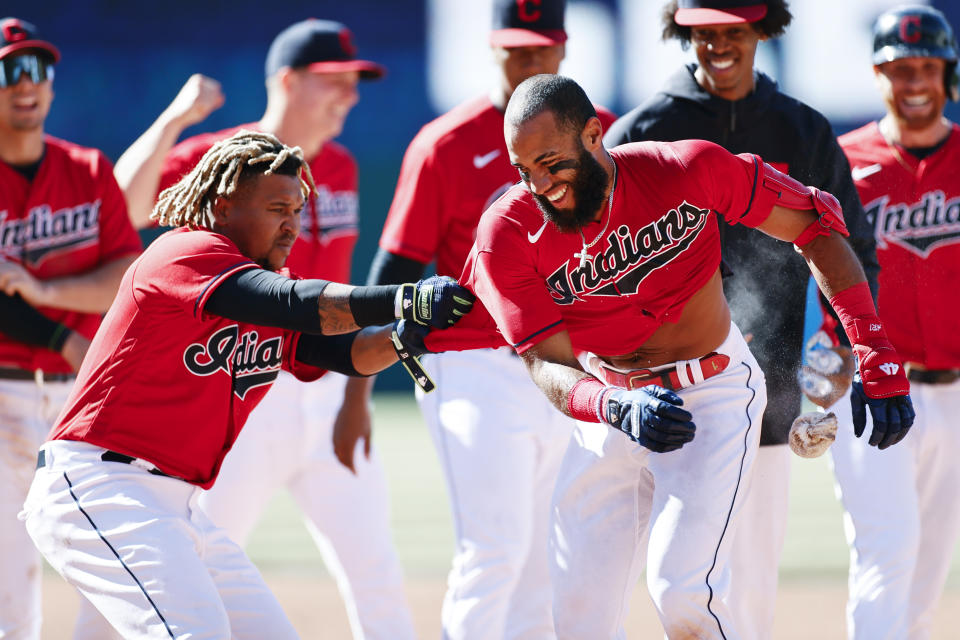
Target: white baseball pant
<point x="287" y="443"/>
<point x="140" y="549"/>
<point x="755" y="554"/>
<point x="27" y="411"/>
<point x="902" y="515"/>
<point x="618" y="507"/>
<point x="500" y="443"/>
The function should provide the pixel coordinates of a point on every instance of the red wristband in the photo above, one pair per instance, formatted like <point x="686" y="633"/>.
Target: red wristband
<point x="858" y="315"/>
<point x="881" y="370"/>
<point x="583" y="400"/>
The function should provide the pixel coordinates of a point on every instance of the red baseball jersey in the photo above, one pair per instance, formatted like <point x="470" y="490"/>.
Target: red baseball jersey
<point x="71" y="218"/>
<point x="454" y="169"/>
<point x="659" y="246"/>
<point x="167" y="382"/>
<point x="329" y="222"/>
<point x="915" y="208"/>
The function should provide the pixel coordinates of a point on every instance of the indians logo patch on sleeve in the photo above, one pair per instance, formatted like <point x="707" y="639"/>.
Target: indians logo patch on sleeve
<point x="250" y="362"/>
<point x="629" y="257"/>
<point x="920" y="227"/>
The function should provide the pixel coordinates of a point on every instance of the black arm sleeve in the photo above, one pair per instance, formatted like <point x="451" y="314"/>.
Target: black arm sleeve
<point x="389" y="268"/>
<point x="328" y="352"/>
<point x="262" y="297"/>
<point x="23" y="323"/>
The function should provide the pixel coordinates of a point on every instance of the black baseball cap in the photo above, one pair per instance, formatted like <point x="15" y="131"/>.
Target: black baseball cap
<point x="691" y="13"/>
<point x="16" y="35"/>
<point x="528" y="23"/>
<point x="323" y="46"/>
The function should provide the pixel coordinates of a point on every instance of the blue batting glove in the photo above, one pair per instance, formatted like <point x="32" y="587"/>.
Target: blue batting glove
<point x="892" y="417"/>
<point x="651" y="416"/>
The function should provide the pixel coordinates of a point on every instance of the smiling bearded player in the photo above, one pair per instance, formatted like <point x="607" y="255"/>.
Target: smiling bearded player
<point x="616" y="254"/>
<point x="723" y="98"/>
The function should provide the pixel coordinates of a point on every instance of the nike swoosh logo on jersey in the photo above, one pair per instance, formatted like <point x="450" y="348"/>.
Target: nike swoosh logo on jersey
<point x="533" y="237"/>
<point x="859" y="173"/>
<point x="481" y="161"/>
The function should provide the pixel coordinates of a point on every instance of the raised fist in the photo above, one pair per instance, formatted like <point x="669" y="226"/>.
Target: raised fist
<point x="197" y="99"/>
<point x="437" y="301"/>
<point x="651" y="416"/>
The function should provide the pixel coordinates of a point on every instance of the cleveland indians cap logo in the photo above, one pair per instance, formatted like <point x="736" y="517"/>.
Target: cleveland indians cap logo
<point x="248" y="361"/>
<point x="346" y="42"/>
<point x="13" y="30"/>
<point x="526" y="13"/>
<point x="910" y="31"/>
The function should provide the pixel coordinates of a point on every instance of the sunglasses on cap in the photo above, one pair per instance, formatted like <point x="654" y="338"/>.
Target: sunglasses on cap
<point x="36" y="67"/>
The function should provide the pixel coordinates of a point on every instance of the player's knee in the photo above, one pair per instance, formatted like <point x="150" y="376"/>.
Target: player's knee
<point x="683" y="608"/>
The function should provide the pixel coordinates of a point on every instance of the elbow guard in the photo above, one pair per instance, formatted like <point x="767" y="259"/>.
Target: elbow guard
<point x="779" y="189"/>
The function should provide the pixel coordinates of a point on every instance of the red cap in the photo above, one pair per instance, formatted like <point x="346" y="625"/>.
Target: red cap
<point x="16" y="35"/>
<point x="692" y="13"/>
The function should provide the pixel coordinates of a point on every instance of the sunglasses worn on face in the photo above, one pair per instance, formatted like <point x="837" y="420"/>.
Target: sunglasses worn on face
<point x="36" y="67"/>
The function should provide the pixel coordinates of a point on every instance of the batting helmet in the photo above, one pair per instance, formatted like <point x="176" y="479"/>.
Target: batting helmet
<point x="917" y="31"/>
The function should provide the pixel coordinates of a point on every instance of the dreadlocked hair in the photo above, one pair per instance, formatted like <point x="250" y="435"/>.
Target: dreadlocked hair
<point x="221" y="171"/>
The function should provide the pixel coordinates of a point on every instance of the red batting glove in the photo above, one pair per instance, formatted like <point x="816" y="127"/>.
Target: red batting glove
<point x="881" y="369"/>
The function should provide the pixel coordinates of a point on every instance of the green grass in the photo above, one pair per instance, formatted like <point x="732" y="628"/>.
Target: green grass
<point x="814" y="548"/>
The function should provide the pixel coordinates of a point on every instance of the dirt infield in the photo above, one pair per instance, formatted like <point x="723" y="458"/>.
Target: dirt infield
<point x="804" y="611"/>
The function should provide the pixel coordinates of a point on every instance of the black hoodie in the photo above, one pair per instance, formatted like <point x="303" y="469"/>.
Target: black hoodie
<point x="767" y="291"/>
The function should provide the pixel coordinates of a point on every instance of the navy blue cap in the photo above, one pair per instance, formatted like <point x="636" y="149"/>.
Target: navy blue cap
<point x="528" y="23"/>
<point x="16" y="35"/>
<point x="322" y="46"/>
<point x="691" y="13"/>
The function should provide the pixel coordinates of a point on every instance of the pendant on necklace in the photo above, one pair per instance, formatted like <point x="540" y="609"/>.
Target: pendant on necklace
<point x="583" y="255"/>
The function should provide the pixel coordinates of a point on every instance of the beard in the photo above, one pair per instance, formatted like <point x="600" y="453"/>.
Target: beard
<point x="919" y="122"/>
<point x="588" y="188"/>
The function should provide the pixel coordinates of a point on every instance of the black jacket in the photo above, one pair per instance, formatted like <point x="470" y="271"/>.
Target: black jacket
<point x="767" y="291"/>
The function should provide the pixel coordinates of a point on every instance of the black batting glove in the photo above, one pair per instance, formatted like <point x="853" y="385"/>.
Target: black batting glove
<point x="411" y="335"/>
<point x="437" y="301"/>
<point x="892" y="416"/>
<point x="407" y="338"/>
<point x="651" y="416"/>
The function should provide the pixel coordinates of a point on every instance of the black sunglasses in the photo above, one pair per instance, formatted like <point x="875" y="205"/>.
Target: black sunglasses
<point x="36" y="67"/>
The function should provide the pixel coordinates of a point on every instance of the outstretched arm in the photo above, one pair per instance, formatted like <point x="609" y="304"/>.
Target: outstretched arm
<point x="881" y="382"/>
<point x="138" y="169"/>
<point x="269" y="299"/>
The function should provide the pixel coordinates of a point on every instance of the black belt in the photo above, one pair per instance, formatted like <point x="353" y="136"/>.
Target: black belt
<point x="38" y="375"/>
<point x="110" y="456"/>
<point x="933" y="376"/>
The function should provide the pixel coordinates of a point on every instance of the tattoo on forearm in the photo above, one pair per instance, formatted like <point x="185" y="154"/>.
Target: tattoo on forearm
<point x="333" y="308"/>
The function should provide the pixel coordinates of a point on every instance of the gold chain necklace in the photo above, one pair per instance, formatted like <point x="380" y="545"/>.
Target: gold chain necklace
<point x="582" y="254"/>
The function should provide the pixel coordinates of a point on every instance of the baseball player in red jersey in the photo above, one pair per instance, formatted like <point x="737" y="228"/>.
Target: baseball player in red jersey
<point x="499" y="458"/>
<point x="199" y="330"/>
<point x="312" y="76"/>
<point x="905" y="168"/>
<point x="65" y="241"/>
<point x="724" y="99"/>
<point x="617" y="254"/>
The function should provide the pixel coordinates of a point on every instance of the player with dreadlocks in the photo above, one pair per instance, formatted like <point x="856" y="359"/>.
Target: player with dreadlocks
<point x="199" y="330"/>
